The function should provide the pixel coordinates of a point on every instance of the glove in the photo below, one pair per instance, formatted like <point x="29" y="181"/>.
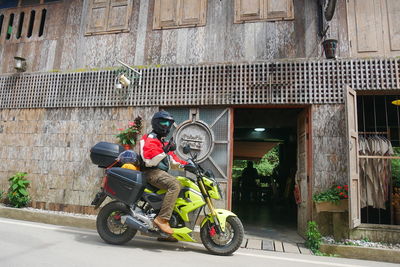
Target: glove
<point x="171" y="146"/>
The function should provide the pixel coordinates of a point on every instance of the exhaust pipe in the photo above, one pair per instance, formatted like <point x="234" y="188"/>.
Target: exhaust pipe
<point x="135" y="224"/>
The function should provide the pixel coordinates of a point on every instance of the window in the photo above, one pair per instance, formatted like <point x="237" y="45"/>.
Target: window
<point x="23" y="24"/>
<point x="108" y="16"/>
<point x="22" y="3"/>
<point x="179" y="13"/>
<point x="263" y="10"/>
<point x="373" y="28"/>
<point x="20" y="23"/>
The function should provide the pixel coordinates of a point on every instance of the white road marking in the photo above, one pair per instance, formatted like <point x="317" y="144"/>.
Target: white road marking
<point x="48" y="227"/>
<point x="297" y="260"/>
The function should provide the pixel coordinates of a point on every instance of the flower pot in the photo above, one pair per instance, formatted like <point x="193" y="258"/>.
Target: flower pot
<point x="341" y="206"/>
<point x="330" y="46"/>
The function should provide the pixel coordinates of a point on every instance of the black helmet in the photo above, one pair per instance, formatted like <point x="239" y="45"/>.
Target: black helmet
<point x="162" y="122"/>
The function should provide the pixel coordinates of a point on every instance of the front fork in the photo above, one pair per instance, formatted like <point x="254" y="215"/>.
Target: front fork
<point x="214" y="216"/>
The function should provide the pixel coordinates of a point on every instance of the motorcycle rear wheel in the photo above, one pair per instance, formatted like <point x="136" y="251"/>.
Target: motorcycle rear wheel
<point x="109" y="226"/>
<point x="225" y="243"/>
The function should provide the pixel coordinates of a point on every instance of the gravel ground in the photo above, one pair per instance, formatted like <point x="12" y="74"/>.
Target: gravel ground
<point x="360" y="243"/>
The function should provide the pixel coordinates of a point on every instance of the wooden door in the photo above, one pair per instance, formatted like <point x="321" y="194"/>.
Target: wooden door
<point x="303" y="176"/>
<point x="353" y="162"/>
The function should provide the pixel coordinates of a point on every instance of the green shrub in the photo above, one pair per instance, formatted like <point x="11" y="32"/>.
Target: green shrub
<point x="313" y="237"/>
<point x="18" y="195"/>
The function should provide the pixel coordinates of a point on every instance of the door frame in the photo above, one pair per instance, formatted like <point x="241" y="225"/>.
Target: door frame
<point x="309" y="110"/>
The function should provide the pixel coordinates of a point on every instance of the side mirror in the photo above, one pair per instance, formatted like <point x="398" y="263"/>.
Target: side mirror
<point x="186" y="149"/>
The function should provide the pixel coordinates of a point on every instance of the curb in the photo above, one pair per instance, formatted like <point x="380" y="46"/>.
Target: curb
<point x="46" y="217"/>
<point x="362" y="253"/>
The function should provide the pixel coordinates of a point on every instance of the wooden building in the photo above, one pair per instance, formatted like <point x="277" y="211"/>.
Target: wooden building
<point x="218" y="66"/>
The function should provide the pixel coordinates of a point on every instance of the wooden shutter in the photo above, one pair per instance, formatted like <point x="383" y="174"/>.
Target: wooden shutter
<point x="353" y="167"/>
<point x="165" y="13"/>
<point x="391" y="23"/>
<point x="119" y="15"/>
<point x="192" y="12"/>
<point x="278" y="9"/>
<point x="365" y="27"/>
<point x="98" y="16"/>
<point x="248" y="10"/>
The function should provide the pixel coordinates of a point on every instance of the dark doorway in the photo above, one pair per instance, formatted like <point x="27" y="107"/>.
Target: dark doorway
<point x="264" y="170"/>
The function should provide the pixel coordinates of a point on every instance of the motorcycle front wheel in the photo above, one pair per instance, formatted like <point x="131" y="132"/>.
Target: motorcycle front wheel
<point x="224" y="243"/>
<point x="109" y="225"/>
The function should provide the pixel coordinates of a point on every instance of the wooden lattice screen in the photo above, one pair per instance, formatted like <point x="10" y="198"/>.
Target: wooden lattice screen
<point x="294" y="82"/>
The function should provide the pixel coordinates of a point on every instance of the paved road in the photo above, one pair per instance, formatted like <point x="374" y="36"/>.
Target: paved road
<point x="33" y="244"/>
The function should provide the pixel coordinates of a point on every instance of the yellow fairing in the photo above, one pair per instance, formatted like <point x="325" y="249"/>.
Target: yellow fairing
<point x="182" y="206"/>
<point x="212" y="188"/>
<point x="183" y="234"/>
<point x="221" y="215"/>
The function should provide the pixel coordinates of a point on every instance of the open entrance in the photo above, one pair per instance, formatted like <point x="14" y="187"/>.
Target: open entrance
<point x="264" y="171"/>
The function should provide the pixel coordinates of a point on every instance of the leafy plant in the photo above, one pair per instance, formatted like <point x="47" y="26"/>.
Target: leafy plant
<point x="333" y="194"/>
<point x="264" y="167"/>
<point x="313" y="237"/>
<point x="18" y="195"/>
<point x="129" y="135"/>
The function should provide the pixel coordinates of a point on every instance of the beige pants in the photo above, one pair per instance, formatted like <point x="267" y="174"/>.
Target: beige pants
<point x="164" y="180"/>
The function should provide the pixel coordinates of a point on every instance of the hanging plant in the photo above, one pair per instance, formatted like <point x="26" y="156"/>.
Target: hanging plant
<point x="129" y="135"/>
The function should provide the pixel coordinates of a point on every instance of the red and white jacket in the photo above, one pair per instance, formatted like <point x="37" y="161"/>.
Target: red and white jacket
<point x="153" y="155"/>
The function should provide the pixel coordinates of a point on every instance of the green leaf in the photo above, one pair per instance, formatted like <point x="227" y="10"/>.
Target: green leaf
<point x="23" y="191"/>
<point x="14" y="186"/>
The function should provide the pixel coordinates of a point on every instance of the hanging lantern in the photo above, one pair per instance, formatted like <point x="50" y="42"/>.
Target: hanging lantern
<point x="20" y="64"/>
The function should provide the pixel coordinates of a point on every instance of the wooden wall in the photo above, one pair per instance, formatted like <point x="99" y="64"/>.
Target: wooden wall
<point x="53" y="147"/>
<point x="64" y="45"/>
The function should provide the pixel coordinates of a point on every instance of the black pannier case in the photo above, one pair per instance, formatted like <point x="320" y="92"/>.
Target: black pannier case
<point x="104" y="154"/>
<point x="125" y="185"/>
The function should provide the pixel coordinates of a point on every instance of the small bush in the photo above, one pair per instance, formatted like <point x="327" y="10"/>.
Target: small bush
<point x="313" y="237"/>
<point x="18" y="195"/>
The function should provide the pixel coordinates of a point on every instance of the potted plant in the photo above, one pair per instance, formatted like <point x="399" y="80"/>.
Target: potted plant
<point x="128" y="136"/>
<point x="334" y="199"/>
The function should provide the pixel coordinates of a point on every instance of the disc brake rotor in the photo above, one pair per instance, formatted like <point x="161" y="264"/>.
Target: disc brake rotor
<point x="223" y="238"/>
<point x="114" y="223"/>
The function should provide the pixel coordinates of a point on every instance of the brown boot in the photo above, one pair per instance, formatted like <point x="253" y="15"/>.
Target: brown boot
<point x="163" y="225"/>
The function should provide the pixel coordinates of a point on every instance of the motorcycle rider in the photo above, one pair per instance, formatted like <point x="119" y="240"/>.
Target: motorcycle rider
<point x="158" y="156"/>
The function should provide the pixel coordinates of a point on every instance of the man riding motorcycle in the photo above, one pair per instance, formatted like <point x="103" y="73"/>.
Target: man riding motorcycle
<point x="158" y="156"/>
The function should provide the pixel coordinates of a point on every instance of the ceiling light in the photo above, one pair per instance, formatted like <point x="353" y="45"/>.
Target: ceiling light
<point x="259" y="129"/>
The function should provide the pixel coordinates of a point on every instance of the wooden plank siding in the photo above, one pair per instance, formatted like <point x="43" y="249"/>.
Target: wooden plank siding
<point x="64" y="45"/>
